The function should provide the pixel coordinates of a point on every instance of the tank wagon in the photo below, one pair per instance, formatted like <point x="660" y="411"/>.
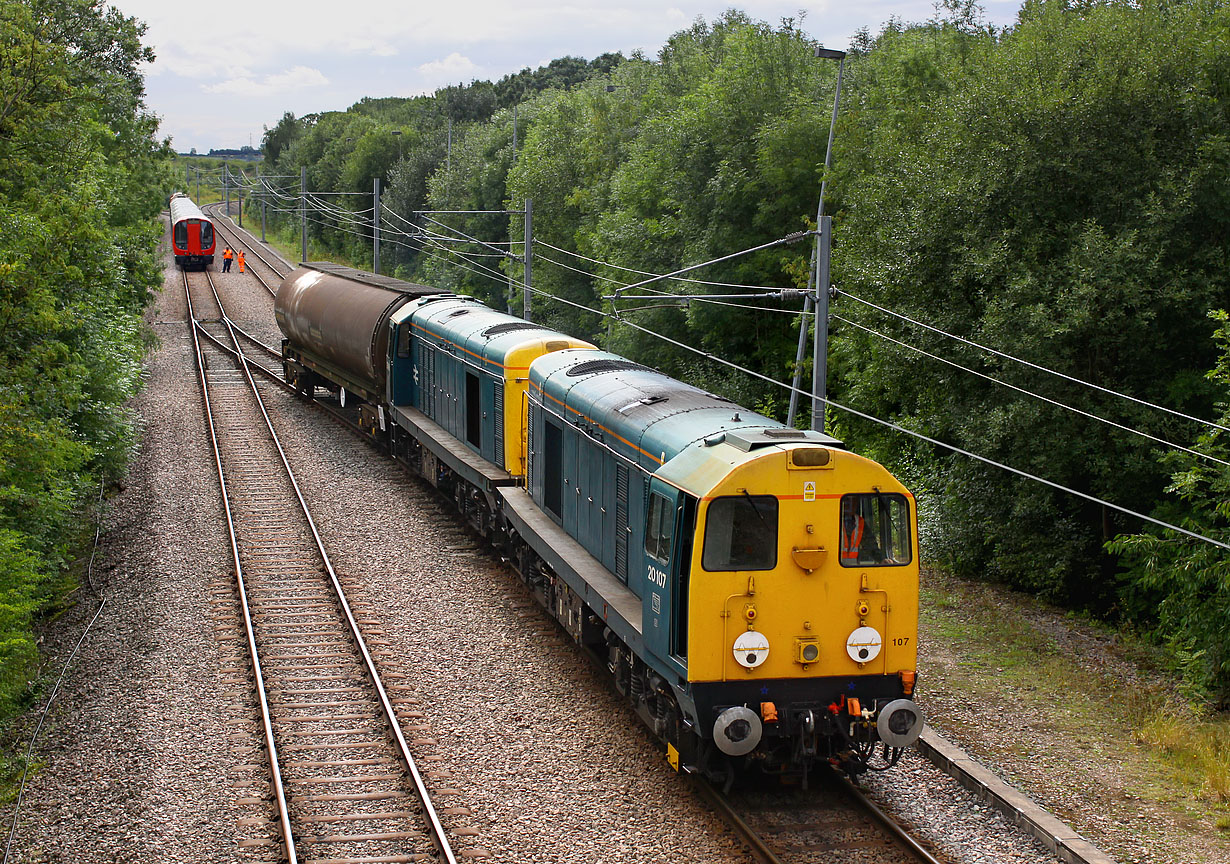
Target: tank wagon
<point x="192" y="233"/>
<point x="335" y="323"/>
<point x="751" y="588"/>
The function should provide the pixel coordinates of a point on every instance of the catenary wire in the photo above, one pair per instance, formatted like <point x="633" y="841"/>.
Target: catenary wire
<point x="646" y="273"/>
<point x="700" y="298"/>
<point x="42" y="718"/>
<point x="1025" y="392"/>
<point x="505" y="278"/>
<point x="1036" y="366"/>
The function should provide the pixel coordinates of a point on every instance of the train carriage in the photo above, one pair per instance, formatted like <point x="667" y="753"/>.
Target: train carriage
<point x="335" y="320"/>
<point x="192" y="234"/>
<point x="466" y="367"/>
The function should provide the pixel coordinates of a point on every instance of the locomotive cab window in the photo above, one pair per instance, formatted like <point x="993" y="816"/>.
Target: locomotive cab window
<point x="660" y="528"/>
<point x="207" y="235"/>
<point x="181" y="235"/>
<point x="875" y="530"/>
<point x="741" y="533"/>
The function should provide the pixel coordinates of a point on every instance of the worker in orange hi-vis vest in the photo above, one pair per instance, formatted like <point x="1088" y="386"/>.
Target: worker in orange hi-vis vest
<point x="851" y="535"/>
<point x="227" y="255"/>
<point x="240" y="260"/>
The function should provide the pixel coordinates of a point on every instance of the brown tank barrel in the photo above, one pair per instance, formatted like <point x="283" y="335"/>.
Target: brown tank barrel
<point x="340" y="315"/>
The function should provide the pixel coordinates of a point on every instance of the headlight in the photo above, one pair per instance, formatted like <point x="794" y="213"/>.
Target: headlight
<point x="806" y="650"/>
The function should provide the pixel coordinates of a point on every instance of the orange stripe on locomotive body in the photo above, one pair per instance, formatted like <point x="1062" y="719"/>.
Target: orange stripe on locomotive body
<point x="808" y="596"/>
<point x="571" y="413"/>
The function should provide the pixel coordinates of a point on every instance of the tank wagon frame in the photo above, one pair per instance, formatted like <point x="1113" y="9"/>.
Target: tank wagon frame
<point x="690" y="546"/>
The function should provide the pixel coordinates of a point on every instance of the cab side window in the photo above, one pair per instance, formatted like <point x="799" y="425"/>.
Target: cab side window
<point x="660" y="528"/>
<point x="875" y="530"/>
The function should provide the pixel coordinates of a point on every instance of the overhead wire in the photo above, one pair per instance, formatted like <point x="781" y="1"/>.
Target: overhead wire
<point x="647" y="273"/>
<point x="1035" y="366"/>
<point x="449" y="256"/>
<point x="700" y="298"/>
<point x="691" y="298"/>
<point x="1032" y="394"/>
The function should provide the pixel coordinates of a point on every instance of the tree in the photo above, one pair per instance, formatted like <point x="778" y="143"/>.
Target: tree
<point x="277" y="140"/>
<point x="1058" y="192"/>
<point x="83" y="179"/>
<point x="1178" y="585"/>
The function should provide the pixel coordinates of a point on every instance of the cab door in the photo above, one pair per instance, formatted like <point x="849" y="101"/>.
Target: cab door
<point x="669" y="525"/>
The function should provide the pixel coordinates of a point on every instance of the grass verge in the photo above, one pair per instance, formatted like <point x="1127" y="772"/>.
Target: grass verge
<point x="1052" y="699"/>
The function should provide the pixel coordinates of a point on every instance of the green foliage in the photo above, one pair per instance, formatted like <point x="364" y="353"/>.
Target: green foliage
<point x="446" y="132"/>
<point x="711" y="149"/>
<point x="1180" y="585"/>
<point x="83" y="179"/>
<point x="1056" y="191"/>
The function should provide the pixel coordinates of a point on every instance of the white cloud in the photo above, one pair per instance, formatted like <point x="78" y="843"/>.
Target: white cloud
<point x="451" y="70"/>
<point x="292" y="80"/>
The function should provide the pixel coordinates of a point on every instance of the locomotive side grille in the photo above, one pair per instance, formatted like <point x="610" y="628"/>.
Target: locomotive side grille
<point x="429" y="382"/>
<point x="606" y="364"/>
<point x="511" y="327"/>
<point x="621" y="523"/>
<point x="498" y="437"/>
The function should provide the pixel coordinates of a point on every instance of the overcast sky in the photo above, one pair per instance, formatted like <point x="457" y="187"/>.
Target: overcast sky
<point x="228" y="68"/>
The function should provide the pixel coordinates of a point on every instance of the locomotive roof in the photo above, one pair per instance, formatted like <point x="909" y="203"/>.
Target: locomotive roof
<point x="649" y="416"/>
<point x="388" y="283"/>
<point x="487" y="336"/>
<point x="182" y="208"/>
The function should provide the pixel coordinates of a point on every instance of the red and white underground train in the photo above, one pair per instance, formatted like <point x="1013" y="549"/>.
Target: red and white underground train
<point x="192" y="233"/>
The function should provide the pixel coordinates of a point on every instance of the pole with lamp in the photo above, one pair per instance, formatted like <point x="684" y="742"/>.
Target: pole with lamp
<point x="818" y="279"/>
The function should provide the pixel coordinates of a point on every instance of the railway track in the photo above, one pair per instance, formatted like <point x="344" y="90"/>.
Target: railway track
<point x="341" y="778"/>
<point x="832" y="822"/>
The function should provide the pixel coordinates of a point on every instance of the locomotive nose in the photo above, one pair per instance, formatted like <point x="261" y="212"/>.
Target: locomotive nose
<point x="900" y="723"/>
<point x="737" y="731"/>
